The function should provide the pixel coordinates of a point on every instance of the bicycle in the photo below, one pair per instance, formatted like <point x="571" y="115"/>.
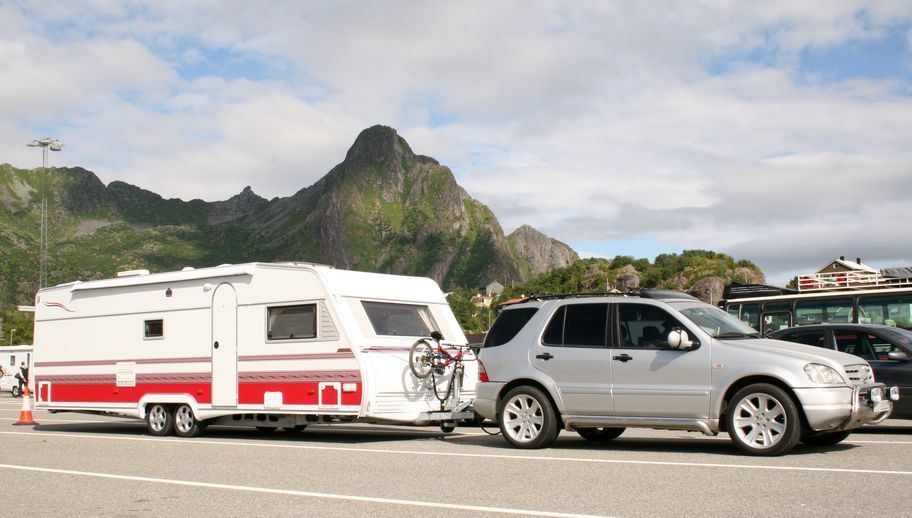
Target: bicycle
<point x="427" y="359"/>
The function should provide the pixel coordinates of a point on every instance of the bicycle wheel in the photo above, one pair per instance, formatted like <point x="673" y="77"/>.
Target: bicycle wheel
<point x="456" y="391"/>
<point x="421" y="359"/>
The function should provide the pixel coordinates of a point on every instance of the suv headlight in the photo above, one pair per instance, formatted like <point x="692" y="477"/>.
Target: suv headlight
<point x="822" y="374"/>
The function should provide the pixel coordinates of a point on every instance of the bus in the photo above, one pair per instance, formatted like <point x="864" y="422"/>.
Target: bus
<point x="859" y="297"/>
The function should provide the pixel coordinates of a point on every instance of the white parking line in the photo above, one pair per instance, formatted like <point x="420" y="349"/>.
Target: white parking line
<point x="291" y="492"/>
<point x="847" y="441"/>
<point x="52" y="420"/>
<point x="464" y="455"/>
<point x="850" y="441"/>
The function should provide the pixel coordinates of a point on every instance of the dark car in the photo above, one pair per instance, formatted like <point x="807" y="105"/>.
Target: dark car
<point x="887" y="349"/>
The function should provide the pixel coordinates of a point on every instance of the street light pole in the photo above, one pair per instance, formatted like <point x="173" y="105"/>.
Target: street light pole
<point x="54" y="145"/>
<point x="11" y="335"/>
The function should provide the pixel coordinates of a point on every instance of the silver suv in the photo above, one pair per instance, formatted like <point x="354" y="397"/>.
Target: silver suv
<point x="665" y="360"/>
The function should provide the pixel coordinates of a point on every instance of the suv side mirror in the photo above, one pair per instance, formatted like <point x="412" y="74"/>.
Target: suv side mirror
<point x="678" y="339"/>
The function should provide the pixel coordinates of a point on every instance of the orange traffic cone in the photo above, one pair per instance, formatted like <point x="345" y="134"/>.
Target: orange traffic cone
<point x="25" y="416"/>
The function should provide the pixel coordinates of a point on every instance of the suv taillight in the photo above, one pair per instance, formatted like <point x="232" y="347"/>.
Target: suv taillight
<point x="482" y="373"/>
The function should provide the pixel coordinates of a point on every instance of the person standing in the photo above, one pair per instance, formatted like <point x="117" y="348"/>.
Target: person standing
<point x="22" y="376"/>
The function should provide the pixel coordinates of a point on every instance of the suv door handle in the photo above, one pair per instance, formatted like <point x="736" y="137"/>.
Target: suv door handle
<point x="544" y="356"/>
<point x="622" y="357"/>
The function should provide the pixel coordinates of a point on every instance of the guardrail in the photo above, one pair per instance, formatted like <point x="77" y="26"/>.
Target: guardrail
<point x="848" y="280"/>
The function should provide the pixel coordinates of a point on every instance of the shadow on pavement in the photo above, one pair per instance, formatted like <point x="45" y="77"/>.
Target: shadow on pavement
<point x="362" y="434"/>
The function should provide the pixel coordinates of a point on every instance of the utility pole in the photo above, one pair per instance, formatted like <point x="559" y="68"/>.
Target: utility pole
<point x="54" y="145"/>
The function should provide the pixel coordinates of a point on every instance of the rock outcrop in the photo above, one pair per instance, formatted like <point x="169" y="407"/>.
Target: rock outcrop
<point x="537" y="253"/>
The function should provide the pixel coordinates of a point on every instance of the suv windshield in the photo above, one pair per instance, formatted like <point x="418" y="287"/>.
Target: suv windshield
<point x="718" y="323"/>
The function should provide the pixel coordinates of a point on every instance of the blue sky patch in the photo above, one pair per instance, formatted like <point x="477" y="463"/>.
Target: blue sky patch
<point x="881" y="58"/>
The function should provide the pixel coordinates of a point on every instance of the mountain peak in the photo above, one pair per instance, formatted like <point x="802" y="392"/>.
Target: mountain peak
<point x="378" y="144"/>
<point x="538" y="253"/>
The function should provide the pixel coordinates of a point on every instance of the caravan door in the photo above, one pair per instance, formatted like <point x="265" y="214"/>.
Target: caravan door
<point x="224" y="347"/>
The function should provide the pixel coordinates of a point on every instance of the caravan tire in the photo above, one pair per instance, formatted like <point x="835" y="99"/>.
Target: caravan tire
<point x="185" y="423"/>
<point x="159" y="420"/>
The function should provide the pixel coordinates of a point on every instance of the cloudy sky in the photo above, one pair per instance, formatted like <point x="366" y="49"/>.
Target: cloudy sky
<point x="779" y="132"/>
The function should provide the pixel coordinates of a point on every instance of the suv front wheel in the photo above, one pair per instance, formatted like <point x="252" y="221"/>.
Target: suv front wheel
<point x="527" y="419"/>
<point x="762" y="419"/>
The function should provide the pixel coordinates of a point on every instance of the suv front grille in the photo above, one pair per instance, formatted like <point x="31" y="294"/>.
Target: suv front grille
<point x="859" y="374"/>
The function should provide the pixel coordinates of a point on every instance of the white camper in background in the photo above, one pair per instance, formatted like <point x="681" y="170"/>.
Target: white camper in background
<point x="10" y="359"/>
<point x="269" y="345"/>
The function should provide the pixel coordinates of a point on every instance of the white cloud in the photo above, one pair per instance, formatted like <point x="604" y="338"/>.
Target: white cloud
<point x="593" y="121"/>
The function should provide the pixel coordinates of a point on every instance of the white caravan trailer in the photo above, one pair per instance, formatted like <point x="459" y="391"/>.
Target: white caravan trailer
<point x="269" y="345"/>
<point x="10" y="359"/>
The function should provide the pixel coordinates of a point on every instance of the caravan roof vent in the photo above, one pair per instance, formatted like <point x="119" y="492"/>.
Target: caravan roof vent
<point x="133" y="273"/>
<point x="187" y="269"/>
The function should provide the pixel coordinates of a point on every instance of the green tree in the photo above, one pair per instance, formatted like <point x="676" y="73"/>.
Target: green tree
<point x="23" y="323"/>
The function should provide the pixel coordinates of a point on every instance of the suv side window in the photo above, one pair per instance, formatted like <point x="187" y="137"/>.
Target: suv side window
<point x="814" y="338"/>
<point x="644" y="326"/>
<point x="854" y="343"/>
<point x="507" y="325"/>
<point x="578" y="325"/>
<point x="882" y="347"/>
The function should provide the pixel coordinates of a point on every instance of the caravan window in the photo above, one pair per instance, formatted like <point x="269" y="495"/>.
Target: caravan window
<point x="399" y="319"/>
<point x="291" y="322"/>
<point x="154" y="328"/>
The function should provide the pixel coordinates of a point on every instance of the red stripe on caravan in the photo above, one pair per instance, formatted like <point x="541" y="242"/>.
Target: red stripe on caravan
<point x="108" y="393"/>
<point x="299" y="376"/>
<point x="141" y="361"/>
<point x="338" y="355"/>
<point x="85" y="379"/>
<point x="293" y="393"/>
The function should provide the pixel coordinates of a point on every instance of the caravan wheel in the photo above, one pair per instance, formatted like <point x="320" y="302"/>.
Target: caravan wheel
<point x="185" y="423"/>
<point x="159" y="420"/>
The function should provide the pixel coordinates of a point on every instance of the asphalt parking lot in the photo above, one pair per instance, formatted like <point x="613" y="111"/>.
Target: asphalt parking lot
<point x="82" y="465"/>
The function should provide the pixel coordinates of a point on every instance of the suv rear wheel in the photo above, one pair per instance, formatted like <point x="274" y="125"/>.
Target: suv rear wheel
<point x="762" y="419"/>
<point x="527" y="418"/>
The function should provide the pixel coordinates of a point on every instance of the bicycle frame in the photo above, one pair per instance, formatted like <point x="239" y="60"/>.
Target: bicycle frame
<point x="426" y="360"/>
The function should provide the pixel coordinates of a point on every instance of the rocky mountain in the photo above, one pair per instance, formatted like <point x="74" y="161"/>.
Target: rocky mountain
<point x="537" y="253"/>
<point x="384" y="208"/>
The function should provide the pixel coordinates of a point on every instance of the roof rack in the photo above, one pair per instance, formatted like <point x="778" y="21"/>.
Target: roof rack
<point x="737" y="290"/>
<point x="665" y="294"/>
<point x="644" y="293"/>
<point x="832" y="281"/>
<point x="549" y="296"/>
